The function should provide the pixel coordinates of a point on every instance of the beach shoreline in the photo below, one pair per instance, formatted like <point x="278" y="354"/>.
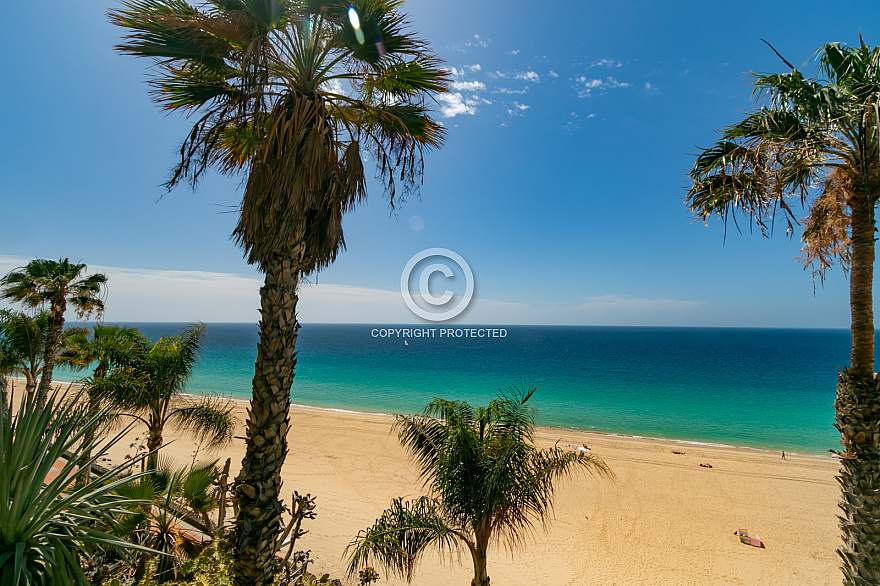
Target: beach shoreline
<point x="547" y="428"/>
<point x="570" y="430"/>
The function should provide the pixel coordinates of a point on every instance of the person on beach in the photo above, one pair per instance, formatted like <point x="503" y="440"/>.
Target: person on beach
<point x="783" y="454"/>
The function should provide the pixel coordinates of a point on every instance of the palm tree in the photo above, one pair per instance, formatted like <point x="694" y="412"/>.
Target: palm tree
<point x="814" y="142"/>
<point x="115" y="351"/>
<point x="54" y="284"/>
<point x="266" y="79"/>
<point x="488" y="482"/>
<point x="23" y="339"/>
<point x="153" y="395"/>
<point x="182" y="500"/>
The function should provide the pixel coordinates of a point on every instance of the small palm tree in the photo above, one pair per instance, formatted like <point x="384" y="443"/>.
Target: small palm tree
<point x="114" y="351"/>
<point x="487" y="479"/>
<point x="815" y="142"/>
<point x="46" y="524"/>
<point x="23" y="342"/>
<point x="181" y="500"/>
<point x="54" y="284"/>
<point x="155" y="395"/>
<point x="296" y="95"/>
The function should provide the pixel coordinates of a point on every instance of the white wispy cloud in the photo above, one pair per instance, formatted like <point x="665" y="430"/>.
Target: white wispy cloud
<point x="515" y="52"/>
<point x="553" y="73"/>
<point x="333" y="86"/>
<point x="476" y="41"/>
<point x="468" y="86"/>
<point x="504" y="90"/>
<point x="606" y="63"/>
<point x="585" y="85"/>
<point x="518" y="109"/>
<point x="650" y="86"/>
<point x="528" y="76"/>
<point x="452" y="105"/>
<point x="456" y="72"/>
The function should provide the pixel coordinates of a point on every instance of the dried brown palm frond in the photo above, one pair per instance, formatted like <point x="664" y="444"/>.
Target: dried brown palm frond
<point x="826" y="235"/>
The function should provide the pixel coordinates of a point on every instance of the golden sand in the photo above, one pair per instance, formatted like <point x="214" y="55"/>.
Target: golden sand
<point x="662" y="520"/>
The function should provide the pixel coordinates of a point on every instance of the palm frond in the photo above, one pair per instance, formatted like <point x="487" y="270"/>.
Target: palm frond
<point x="401" y="536"/>
<point x="826" y="234"/>
<point x="208" y="418"/>
<point x="168" y="30"/>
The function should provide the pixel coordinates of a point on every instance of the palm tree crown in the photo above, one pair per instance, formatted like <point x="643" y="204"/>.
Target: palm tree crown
<point x="22" y="345"/>
<point x="293" y="93"/>
<point x="812" y="143"/>
<point x="54" y="284"/>
<point x="115" y="352"/>
<point x="153" y="393"/>
<point x="488" y="481"/>
<point x="105" y="347"/>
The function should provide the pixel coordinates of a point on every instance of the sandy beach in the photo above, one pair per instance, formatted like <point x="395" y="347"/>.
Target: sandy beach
<point x="662" y="520"/>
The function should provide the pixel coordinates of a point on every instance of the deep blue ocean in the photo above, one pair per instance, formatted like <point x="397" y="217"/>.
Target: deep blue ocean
<point x="760" y="388"/>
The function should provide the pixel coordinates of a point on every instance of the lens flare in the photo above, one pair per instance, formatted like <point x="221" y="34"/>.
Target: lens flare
<point x="307" y="29"/>
<point x="353" y="18"/>
<point x="355" y="21"/>
<point x="380" y="48"/>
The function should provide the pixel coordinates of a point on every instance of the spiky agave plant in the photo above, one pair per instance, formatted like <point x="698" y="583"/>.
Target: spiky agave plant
<point x="46" y="522"/>
<point x="295" y="94"/>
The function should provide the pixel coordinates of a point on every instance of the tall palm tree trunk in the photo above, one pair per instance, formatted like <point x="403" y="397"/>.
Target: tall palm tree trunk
<point x="53" y="346"/>
<point x="30" y="383"/>
<point x="857" y="408"/>
<point x="257" y="488"/>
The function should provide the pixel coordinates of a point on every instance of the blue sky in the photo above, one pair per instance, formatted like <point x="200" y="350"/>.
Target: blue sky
<point x="571" y="129"/>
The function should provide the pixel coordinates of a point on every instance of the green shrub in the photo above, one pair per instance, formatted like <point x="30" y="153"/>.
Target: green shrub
<point x="368" y="576"/>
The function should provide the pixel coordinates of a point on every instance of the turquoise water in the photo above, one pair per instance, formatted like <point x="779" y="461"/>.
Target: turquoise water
<point x="761" y="388"/>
